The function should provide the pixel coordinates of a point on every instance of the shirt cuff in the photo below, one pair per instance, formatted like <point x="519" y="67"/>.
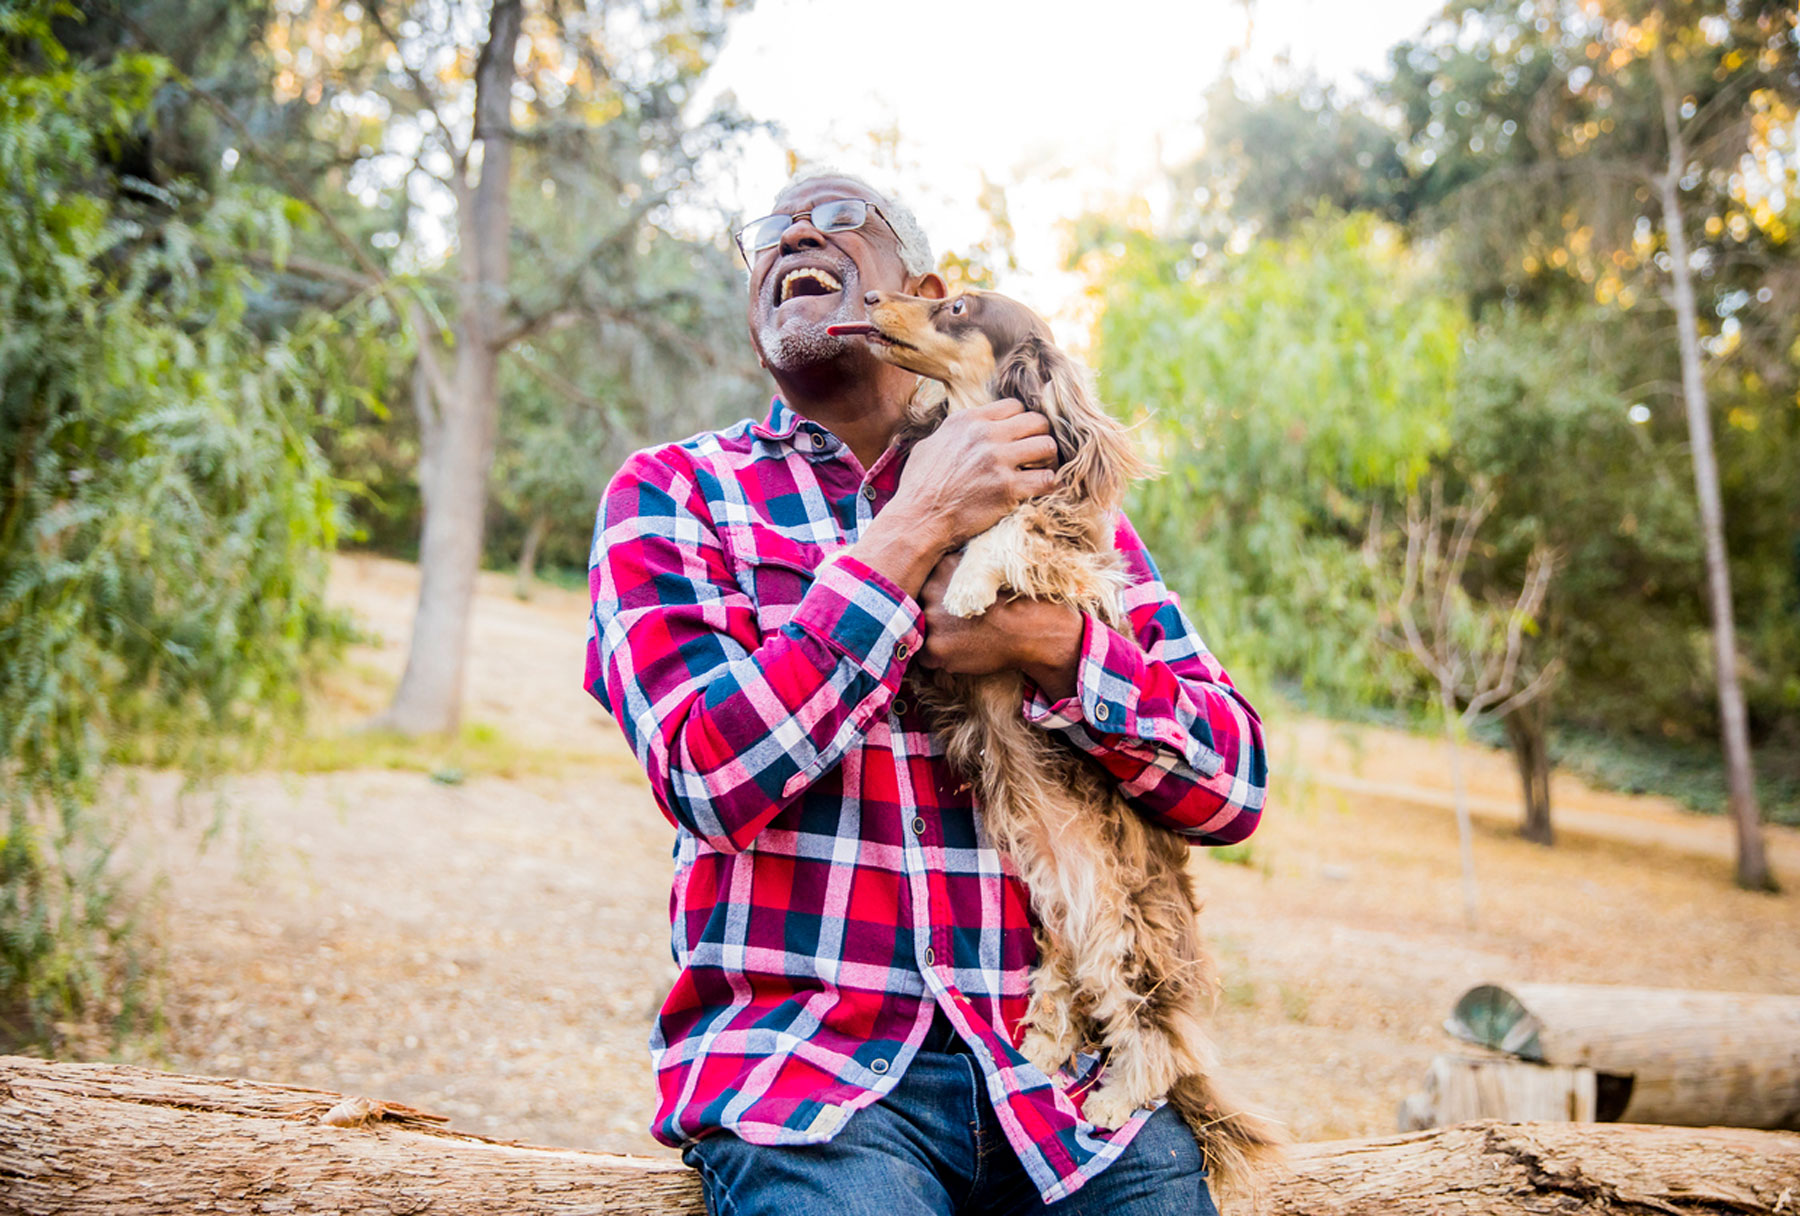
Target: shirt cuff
<point x="1107" y="706"/>
<point x="863" y="616"/>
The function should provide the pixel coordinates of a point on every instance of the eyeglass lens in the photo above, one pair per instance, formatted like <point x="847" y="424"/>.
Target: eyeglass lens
<point x="837" y="215"/>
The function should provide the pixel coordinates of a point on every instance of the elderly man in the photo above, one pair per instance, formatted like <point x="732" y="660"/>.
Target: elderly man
<point x="854" y="955"/>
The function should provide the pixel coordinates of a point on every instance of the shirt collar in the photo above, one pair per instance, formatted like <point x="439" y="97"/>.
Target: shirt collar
<point x="781" y="422"/>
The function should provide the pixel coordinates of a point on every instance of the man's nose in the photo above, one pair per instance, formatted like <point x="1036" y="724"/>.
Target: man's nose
<point x="801" y="235"/>
<point x="872" y="297"/>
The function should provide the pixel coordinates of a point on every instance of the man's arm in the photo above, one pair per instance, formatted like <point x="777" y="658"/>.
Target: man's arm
<point x="731" y="726"/>
<point x="1152" y="706"/>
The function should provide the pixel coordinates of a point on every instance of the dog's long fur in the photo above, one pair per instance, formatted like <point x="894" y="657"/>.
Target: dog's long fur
<point x="1122" y="964"/>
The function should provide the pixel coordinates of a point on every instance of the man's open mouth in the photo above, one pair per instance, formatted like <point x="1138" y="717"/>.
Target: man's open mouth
<point x="807" y="281"/>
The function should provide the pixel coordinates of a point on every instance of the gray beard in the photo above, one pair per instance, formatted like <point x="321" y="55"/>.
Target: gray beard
<point x="800" y="344"/>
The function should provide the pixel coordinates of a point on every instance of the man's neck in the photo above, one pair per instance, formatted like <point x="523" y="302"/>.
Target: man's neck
<point x="863" y="406"/>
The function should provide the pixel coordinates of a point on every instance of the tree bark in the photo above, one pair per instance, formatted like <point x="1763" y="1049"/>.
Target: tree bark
<point x="534" y="537"/>
<point x="1528" y="732"/>
<point x="458" y="450"/>
<point x="97" y="1138"/>
<point x="1663" y="1055"/>
<point x="1753" y="869"/>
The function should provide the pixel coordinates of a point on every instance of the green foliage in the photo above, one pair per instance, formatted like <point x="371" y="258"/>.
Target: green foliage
<point x="1543" y="418"/>
<point x="1273" y="161"/>
<point x="1687" y="771"/>
<point x="1530" y="138"/>
<point x="1285" y="393"/>
<point x="166" y="510"/>
<point x="659" y="351"/>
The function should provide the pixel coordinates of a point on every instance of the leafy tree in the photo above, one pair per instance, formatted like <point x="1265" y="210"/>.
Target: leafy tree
<point x="429" y="116"/>
<point x="166" y="511"/>
<point x="603" y="378"/>
<point x="1543" y="417"/>
<point x="1627" y="149"/>
<point x="1272" y="160"/>
<point x="1285" y="390"/>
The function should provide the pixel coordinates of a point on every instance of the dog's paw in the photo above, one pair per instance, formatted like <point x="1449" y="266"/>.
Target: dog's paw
<point x="1044" y="1052"/>
<point x="968" y="598"/>
<point x="1109" y="1107"/>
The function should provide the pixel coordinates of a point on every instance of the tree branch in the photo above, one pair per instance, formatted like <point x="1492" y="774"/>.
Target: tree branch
<point x="457" y="155"/>
<point x="294" y="185"/>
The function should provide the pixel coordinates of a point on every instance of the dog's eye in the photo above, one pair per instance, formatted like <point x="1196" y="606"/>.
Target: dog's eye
<point x="957" y="308"/>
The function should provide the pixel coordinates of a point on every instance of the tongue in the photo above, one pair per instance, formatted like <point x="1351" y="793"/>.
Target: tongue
<point x="852" y="329"/>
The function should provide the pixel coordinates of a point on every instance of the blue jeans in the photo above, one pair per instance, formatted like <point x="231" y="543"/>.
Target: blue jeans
<point x="933" y="1147"/>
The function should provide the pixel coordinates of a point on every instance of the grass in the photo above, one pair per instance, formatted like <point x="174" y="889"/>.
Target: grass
<point x="478" y="749"/>
<point x="1693" y="774"/>
<point x="347" y="694"/>
<point x="1689" y="772"/>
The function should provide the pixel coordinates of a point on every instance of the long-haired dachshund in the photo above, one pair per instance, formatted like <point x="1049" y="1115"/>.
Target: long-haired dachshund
<point x="1121" y="962"/>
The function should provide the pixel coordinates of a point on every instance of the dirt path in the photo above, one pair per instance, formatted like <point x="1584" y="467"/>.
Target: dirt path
<point x="495" y="950"/>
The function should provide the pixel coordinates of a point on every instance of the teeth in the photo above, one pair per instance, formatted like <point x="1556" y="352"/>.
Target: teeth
<point x="823" y="278"/>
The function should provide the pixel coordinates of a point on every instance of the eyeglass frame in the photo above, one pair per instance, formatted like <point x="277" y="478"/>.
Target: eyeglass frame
<point x="750" y="256"/>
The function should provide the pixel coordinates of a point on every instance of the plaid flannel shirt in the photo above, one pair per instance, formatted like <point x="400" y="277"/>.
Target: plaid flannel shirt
<point x="833" y="885"/>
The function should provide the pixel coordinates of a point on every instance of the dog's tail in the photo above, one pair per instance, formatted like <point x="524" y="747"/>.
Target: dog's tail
<point x="1239" y="1145"/>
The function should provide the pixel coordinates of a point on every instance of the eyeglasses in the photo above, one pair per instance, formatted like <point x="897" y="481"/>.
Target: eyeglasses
<point x="834" y="215"/>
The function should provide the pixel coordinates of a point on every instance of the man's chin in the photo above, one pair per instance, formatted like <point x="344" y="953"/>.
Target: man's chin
<point x="800" y="343"/>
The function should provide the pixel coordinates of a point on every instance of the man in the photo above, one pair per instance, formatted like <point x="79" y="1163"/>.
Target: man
<point x="854" y="955"/>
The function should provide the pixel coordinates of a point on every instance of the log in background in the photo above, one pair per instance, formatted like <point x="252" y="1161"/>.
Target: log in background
<point x="94" y="1138"/>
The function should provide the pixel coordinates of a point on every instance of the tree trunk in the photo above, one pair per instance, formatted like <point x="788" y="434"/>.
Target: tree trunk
<point x="458" y="443"/>
<point x="1528" y="731"/>
<point x="534" y="536"/>
<point x="1664" y="1055"/>
<point x="1753" y="869"/>
<point x="1465" y="830"/>
<point x="77" y="1139"/>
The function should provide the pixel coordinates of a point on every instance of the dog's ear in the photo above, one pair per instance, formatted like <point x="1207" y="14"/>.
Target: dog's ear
<point x="1095" y="456"/>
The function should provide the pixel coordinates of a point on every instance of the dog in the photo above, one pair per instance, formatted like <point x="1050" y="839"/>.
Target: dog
<point x="1121" y="962"/>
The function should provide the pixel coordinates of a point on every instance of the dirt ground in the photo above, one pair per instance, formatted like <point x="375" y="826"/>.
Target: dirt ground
<point x="495" y="949"/>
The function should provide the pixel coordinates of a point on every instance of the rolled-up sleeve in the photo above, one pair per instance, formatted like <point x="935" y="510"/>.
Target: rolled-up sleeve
<point x="1158" y="712"/>
<point x="730" y="725"/>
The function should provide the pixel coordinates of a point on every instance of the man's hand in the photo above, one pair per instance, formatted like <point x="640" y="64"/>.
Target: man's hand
<point x="959" y="481"/>
<point x="1037" y="637"/>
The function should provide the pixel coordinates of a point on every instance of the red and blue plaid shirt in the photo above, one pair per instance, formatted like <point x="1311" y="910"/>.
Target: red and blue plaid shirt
<point x="833" y="885"/>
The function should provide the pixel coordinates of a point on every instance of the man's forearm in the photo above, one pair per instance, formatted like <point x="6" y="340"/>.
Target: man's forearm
<point x="903" y="546"/>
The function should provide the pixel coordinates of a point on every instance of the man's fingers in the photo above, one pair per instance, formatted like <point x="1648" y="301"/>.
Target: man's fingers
<point x="1033" y="482"/>
<point x="1003" y="407"/>
<point x="1021" y="426"/>
<point x="1035" y="452"/>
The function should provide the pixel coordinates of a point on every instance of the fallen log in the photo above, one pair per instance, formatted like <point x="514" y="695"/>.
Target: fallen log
<point x="1660" y="1055"/>
<point x="93" y="1138"/>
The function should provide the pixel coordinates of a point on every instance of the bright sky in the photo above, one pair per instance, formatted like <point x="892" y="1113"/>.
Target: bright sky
<point x="1070" y="106"/>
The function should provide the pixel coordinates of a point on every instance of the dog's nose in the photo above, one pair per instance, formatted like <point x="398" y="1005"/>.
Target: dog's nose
<point x="872" y="297"/>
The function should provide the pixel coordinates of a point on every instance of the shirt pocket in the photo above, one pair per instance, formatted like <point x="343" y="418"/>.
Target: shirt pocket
<point x="774" y="571"/>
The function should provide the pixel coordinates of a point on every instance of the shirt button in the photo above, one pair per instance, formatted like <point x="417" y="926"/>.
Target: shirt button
<point x="879" y="1066"/>
<point x="901" y="651"/>
<point x="930" y="957"/>
<point x="818" y="440"/>
<point x="918" y="825"/>
<point x="1102" y="712"/>
<point x="869" y="493"/>
<point x="899" y="706"/>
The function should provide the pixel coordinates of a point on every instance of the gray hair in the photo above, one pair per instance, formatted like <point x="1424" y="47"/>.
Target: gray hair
<point x="915" y="247"/>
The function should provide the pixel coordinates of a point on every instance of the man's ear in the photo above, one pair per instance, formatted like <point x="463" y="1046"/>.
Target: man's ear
<point x="929" y="286"/>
